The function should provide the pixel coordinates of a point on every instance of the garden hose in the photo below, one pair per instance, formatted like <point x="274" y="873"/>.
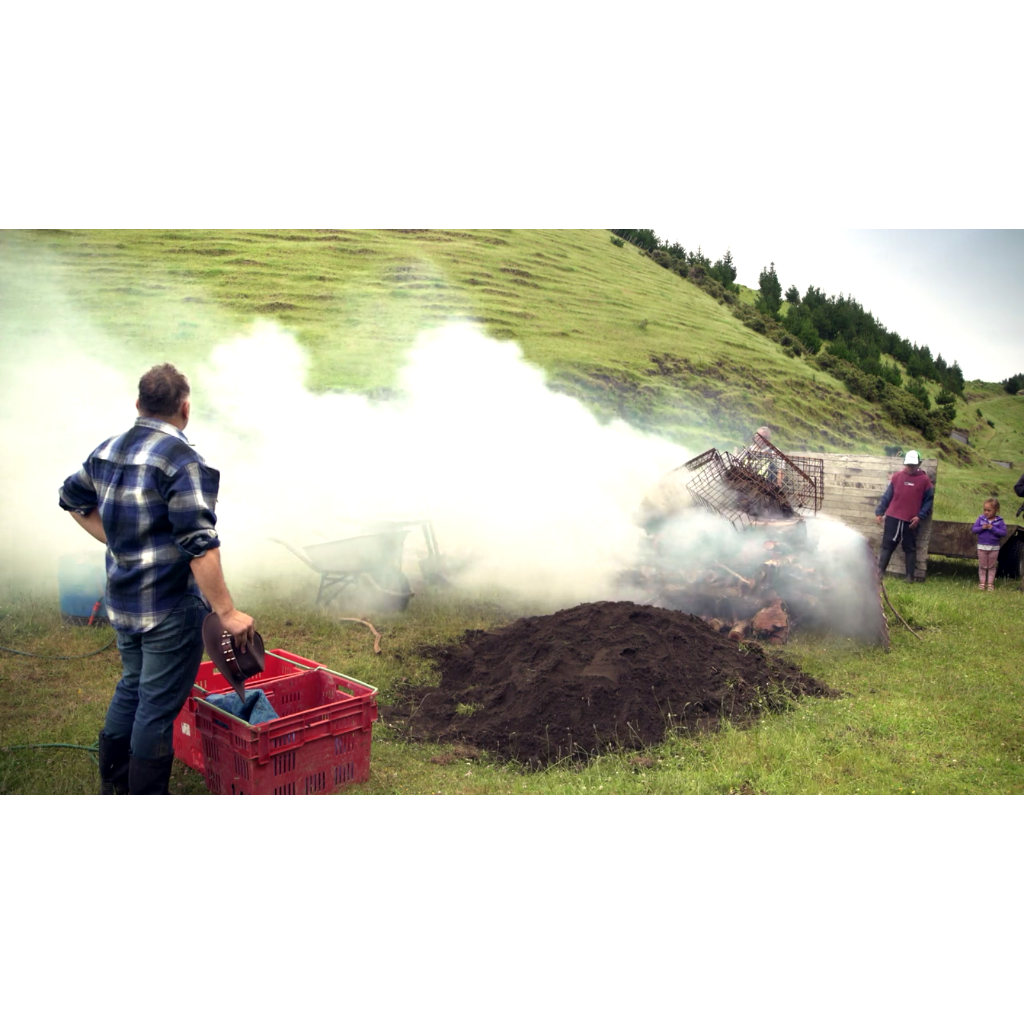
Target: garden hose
<point x="93" y="750"/>
<point x="60" y="657"/>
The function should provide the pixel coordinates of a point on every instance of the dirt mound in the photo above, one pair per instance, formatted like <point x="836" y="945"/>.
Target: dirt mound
<point x="594" y="676"/>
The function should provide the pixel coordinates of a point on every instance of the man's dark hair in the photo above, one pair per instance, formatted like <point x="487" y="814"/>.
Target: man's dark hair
<point x="162" y="390"/>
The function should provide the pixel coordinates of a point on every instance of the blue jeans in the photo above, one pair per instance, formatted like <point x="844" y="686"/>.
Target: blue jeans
<point x="158" y="670"/>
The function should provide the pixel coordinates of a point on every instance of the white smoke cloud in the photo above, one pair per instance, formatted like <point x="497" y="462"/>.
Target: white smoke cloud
<point x="524" y="481"/>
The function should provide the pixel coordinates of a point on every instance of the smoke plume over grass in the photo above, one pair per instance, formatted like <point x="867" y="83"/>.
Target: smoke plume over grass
<point x="525" y="488"/>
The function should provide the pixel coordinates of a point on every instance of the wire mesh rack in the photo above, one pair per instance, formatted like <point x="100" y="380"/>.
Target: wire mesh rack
<point x="706" y="483"/>
<point x="801" y="479"/>
<point x="761" y="482"/>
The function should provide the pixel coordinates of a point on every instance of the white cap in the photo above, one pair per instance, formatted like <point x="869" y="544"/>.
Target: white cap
<point x="912" y="458"/>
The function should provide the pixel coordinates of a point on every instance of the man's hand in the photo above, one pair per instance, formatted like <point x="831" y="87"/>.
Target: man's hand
<point x="240" y="626"/>
<point x="878" y="519"/>
<point x="207" y="571"/>
<point x="914" y="522"/>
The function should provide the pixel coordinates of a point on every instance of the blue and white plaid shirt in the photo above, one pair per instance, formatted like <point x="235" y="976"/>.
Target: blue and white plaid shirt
<point x="156" y="498"/>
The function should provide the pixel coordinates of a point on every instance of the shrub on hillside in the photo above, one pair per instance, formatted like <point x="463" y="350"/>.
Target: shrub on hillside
<point x="905" y="408"/>
<point x="897" y="402"/>
<point x="770" y="291"/>
<point x="799" y="324"/>
<point x="920" y="392"/>
<point x="617" y="241"/>
<point x="1013" y="385"/>
<point x="939" y="422"/>
<point x="642" y="238"/>
<point x="758" y="321"/>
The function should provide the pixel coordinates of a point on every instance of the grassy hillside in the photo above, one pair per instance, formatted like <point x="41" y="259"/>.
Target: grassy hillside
<point x="609" y="325"/>
<point x="594" y="315"/>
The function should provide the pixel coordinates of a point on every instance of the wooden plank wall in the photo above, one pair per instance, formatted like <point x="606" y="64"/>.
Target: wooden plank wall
<point x="854" y="484"/>
<point x="956" y="539"/>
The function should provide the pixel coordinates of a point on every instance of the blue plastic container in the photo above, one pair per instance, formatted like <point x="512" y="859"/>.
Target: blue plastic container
<point x="82" y="580"/>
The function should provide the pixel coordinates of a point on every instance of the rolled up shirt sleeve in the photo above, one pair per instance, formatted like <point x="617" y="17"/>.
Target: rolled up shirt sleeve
<point x="78" y="494"/>
<point x="191" y="500"/>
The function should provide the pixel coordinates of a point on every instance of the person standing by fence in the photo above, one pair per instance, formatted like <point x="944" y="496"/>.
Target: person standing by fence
<point x="907" y="500"/>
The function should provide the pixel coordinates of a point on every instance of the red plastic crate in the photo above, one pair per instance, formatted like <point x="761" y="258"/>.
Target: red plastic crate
<point x="320" y="741"/>
<point x="187" y="744"/>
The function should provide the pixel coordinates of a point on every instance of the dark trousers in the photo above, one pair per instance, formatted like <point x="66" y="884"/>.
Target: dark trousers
<point x="896" y="531"/>
<point x="158" y="670"/>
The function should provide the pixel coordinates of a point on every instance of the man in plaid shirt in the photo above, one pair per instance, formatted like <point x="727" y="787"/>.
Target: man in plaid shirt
<point x="150" y="497"/>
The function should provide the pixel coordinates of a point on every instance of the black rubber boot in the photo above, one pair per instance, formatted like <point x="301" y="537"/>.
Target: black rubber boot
<point x="883" y="560"/>
<point x="911" y="565"/>
<point x="149" y="776"/>
<point x="113" y="757"/>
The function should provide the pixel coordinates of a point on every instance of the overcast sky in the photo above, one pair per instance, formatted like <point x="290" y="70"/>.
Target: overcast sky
<point x="959" y="292"/>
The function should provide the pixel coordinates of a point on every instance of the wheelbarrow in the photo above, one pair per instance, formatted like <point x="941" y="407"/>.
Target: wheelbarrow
<point x="434" y="566"/>
<point x="373" y="559"/>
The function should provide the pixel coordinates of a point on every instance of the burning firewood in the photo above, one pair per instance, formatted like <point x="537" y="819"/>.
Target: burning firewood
<point x="740" y="630"/>
<point x="743" y="579"/>
<point x="776" y="581"/>
<point x="772" y="622"/>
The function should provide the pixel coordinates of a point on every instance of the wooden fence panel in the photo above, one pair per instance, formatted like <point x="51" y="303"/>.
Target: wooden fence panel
<point x="854" y="485"/>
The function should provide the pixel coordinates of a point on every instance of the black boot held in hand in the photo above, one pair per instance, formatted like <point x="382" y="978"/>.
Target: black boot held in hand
<point x="149" y="776"/>
<point x="113" y="758"/>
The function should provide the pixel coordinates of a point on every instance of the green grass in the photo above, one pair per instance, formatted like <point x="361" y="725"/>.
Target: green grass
<point x="937" y="714"/>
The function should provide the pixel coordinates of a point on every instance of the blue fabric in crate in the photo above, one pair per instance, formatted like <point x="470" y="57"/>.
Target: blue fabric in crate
<point x="256" y="708"/>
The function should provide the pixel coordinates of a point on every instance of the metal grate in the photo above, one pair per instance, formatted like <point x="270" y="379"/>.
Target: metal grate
<point x="801" y="479"/>
<point x="725" y="487"/>
<point x="761" y="482"/>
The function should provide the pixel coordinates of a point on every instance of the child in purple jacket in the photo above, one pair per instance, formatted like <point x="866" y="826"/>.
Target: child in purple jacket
<point x="990" y="528"/>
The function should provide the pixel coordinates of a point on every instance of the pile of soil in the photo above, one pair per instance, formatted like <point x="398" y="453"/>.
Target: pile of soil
<point x="592" y="677"/>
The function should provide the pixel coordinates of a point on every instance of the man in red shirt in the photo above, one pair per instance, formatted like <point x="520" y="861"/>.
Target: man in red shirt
<point x="907" y="500"/>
